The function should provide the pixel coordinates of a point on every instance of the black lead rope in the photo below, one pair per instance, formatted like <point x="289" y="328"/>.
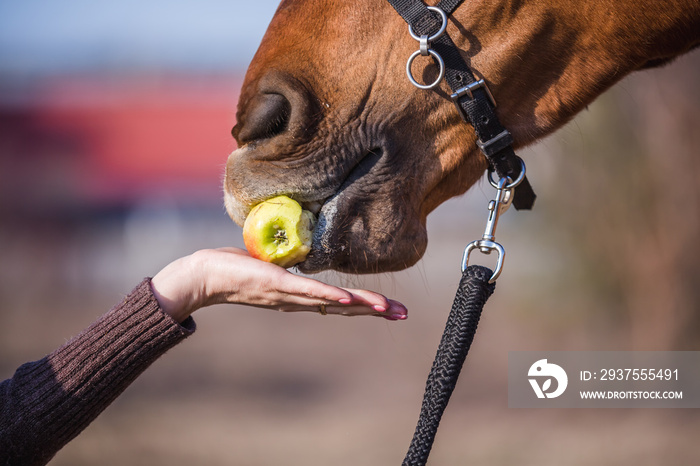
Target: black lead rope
<point x="474" y="289"/>
<point x="477" y="107"/>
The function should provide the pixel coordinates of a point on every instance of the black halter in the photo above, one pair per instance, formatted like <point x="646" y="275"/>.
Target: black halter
<point x="471" y="96"/>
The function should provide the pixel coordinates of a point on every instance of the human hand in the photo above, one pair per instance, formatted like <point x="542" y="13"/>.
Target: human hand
<point x="231" y="275"/>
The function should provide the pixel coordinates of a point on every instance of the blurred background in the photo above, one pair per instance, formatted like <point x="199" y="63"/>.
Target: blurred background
<point x="115" y="123"/>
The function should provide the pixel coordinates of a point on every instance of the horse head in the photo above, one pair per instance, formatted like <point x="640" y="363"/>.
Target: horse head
<point x="328" y="117"/>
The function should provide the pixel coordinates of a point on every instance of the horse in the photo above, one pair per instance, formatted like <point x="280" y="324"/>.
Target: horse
<point x="327" y="116"/>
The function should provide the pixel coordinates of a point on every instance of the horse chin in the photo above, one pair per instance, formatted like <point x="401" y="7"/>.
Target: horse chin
<point x="344" y="239"/>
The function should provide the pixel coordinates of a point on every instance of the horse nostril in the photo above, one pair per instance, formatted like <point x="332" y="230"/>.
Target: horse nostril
<point x="267" y="116"/>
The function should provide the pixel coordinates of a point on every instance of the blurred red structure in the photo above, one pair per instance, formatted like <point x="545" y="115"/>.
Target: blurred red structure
<point x="82" y="142"/>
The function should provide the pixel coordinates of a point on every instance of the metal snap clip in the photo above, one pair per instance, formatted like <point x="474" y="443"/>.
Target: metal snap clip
<point x="488" y="243"/>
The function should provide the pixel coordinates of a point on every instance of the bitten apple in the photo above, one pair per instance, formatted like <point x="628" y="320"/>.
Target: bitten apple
<point x="279" y="231"/>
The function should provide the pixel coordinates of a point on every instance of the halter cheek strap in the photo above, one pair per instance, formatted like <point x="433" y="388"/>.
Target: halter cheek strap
<point x="471" y="96"/>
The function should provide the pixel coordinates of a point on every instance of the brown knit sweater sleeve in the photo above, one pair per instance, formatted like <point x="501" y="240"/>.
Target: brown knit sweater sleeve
<point x="49" y="402"/>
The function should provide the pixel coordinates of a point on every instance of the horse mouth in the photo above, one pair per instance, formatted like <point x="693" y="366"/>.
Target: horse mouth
<point x="367" y="219"/>
<point x="314" y="206"/>
<point x="330" y="247"/>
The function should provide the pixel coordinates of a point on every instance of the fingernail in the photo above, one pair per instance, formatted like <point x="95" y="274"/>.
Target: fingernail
<point x="379" y="308"/>
<point x="345" y="301"/>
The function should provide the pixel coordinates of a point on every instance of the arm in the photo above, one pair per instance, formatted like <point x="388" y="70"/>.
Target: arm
<point x="49" y="402"/>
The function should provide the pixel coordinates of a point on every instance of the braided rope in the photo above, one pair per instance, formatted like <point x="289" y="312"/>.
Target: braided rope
<point x="460" y="328"/>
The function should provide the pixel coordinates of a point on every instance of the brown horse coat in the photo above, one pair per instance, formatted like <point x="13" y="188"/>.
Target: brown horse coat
<point x="327" y="116"/>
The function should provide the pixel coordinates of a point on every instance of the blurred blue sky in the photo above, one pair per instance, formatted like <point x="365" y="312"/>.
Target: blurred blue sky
<point x="77" y="36"/>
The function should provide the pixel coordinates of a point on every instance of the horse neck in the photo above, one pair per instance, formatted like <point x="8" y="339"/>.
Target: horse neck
<point x="567" y="52"/>
<point x="657" y="30"/>
<point x="637" y="31"/>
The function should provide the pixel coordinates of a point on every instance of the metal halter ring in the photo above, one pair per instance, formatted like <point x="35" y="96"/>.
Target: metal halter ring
<point x="425" y="50"/>
<point x="513" y="184"/>
<point x="443" y="16"/>
<point x="441" y="74"/>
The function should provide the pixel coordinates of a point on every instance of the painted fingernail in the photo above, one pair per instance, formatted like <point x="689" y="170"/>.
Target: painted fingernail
<point x="345" y="301"/>
<point x="379" y="308"/>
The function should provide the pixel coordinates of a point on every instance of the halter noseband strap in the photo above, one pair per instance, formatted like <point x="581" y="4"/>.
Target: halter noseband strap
<point x="471" y="96"/>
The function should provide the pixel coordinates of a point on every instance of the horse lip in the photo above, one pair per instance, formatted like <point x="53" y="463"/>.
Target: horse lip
<point x="325" y="245"/>
<point x="322" y="248"/>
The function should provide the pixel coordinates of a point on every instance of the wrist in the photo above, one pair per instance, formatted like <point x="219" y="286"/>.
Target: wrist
<point x="168" y="305"/>
<point x="177" y="287"/>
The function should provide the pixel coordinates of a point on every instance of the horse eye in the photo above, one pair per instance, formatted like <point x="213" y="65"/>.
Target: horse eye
<point x="267" y="116"/>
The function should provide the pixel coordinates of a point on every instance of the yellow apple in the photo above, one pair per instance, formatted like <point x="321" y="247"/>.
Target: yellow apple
<point x="278" y="230"/>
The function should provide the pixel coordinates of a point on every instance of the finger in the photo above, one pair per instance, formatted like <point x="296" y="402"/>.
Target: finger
<point x="363" y="303"/>
<point x="352" y="311"/>
<point x="335" y="310"/>
<point x="315" y="290"/>
<point x="396" y="311"/>
<point x="374" y="300"/>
